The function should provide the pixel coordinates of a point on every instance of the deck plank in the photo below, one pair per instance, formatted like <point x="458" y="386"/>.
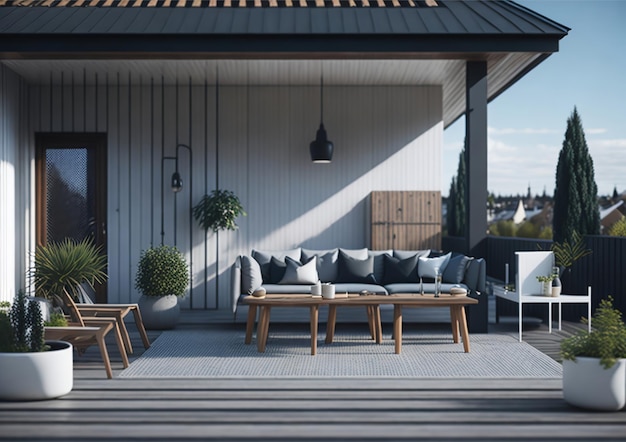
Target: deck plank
<point x="309" y="409"/>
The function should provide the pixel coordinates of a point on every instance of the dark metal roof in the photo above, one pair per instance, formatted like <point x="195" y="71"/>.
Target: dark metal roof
<point x="452" y="26"/>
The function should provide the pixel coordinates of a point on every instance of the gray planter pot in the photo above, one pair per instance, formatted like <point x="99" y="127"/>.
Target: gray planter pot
<point x="37" y="376"/>
<point x="159" y="312"/>
<point x="587" y="384"/>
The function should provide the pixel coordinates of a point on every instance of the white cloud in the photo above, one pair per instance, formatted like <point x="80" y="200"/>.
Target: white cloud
<point x="595" y="131"/>
<point x="518" y="131"/>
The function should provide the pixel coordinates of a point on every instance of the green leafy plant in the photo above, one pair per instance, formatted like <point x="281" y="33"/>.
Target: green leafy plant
<point x="56" y="320"/>
<point x="547" y="278"/>
<point x="218" y="211"/>
<point x="619" y="228"/>
<point x="22" y="329"/>
<point x="567" y="252"/>
<point x="67" y="264"/>
<point x="606" y="341"/>
<point x="162" y="271"/>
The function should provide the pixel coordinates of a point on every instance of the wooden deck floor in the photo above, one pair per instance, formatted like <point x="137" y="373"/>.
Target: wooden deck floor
<point x="309" y="410"/>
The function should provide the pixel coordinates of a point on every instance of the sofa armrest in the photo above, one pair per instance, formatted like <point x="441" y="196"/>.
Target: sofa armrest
<point x="235" y="283"/>
<point x="476" y="276"/>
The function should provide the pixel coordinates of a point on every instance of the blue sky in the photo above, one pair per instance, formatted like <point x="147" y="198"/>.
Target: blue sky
<point x="527" y="123"/>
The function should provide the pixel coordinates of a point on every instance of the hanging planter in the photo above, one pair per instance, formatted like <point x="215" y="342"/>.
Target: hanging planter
<point x="218" y="211"/>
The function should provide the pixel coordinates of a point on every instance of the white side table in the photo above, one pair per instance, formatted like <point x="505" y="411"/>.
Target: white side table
<point x="503" y="293"/>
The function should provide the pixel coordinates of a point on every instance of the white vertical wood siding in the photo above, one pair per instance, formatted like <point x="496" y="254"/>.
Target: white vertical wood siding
<point x="15" y="180"/>
<point x="386" y="138"/>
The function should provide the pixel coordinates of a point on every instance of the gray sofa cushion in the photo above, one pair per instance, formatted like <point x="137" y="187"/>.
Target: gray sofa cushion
<point x="327" y="265"/>
<point x="356" y="253"/>
<point x="355" y="270"/>
<point x="400" y="270"/>
<point x="297" y="273"/>
<point x="455" y="270"/>
<point x="251" y="278"/>
<point x="379" y="262"/>
<point x="349" y="287"/>
<point x="404" y="254"/>
<point x="429" y="287"/>
<point x="264" y="257"/>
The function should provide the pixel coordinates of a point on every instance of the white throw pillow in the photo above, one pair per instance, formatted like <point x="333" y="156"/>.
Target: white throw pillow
<point x="427" y="267"/>
<point x="297" y="273"/>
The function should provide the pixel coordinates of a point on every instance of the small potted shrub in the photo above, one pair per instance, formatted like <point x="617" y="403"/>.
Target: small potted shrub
<point x="31" y="368"/>
<point x="594" y="363"/>
<point x="162" y="277"/>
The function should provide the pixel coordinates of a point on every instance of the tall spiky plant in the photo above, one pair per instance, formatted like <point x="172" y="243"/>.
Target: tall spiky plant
<point x="22" y="330"/>
<point x="66" y="265"/>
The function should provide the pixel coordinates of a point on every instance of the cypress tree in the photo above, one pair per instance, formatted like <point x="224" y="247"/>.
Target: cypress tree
<point x="450" y="217"/>
<point x="576" y="192"/>
<point x="460" y="209"/>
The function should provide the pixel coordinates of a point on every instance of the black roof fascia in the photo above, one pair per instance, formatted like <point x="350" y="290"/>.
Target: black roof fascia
<point x="271" y="44"/>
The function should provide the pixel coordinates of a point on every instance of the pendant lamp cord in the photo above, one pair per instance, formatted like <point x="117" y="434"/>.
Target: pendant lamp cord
<point x="322" y="99"/>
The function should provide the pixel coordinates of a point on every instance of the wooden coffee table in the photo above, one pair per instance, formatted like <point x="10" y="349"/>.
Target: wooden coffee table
<point x="372" y="302"/>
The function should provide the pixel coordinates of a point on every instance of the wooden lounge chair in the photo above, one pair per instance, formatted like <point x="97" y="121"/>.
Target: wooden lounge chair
<point x="83" y="332"/>
<point x="88" y="308"/>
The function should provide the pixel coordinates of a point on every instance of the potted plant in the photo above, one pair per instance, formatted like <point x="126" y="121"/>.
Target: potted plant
<point x="546" y="284"/>
<point x="31" y="369"/>
<point x="66" y="265"/>
<point x="218" y="211"/>
<point x="594" y="363"/>
<point x="566" y="253"/>
<point x="162" y="277"/>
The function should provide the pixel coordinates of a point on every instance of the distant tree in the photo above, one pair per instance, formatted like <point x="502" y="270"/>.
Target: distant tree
<point x="576" y="192"/>
<point x="460" y="202"/>
<point x="450" y="214"/>
<point x="503" y="228"/>
<point x="528" y="229"/>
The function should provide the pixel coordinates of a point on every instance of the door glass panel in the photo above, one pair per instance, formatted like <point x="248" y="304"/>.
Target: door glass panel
<point x="69" y="195"/>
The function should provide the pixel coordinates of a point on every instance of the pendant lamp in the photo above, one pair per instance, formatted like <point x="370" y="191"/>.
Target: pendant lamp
<point x="321" y="149"/>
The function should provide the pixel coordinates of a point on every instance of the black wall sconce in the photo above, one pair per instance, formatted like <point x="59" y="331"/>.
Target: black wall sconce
<point x="176" y="184"/>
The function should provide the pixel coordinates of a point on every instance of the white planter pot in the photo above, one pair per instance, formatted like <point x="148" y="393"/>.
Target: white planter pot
<point x="159" y="312"/>
<point x="587" y="384"/>
<point x="37" y="376"/>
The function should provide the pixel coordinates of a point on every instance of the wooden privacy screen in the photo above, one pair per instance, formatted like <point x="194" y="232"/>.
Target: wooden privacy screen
<point x="406" y="220"/>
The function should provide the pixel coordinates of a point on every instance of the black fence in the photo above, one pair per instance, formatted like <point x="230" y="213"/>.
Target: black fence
<point x="604" y="270"/>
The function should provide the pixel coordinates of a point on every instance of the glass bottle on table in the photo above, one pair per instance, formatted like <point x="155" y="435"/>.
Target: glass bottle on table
<point x="437" y="282"/>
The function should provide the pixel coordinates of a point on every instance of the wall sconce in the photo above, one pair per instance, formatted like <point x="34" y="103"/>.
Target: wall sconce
<point x="176" y="184"/>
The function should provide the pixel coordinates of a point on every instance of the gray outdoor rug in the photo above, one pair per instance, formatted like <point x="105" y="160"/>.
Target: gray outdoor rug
<point x="222" y="353"/>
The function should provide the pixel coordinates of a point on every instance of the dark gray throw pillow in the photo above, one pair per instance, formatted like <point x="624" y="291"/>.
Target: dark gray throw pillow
<point x="277" y="270"/>
<point x="455" y="270"/>
<point x="355" y="270"/>
<point x="400" y="270"/>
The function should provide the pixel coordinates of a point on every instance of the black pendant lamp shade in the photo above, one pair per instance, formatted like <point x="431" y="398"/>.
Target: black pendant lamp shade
<point x="321" y="149"/>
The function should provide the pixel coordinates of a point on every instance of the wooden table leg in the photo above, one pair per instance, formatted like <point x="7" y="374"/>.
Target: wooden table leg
<point x="370" y="320"/>
<point x="250" y="323"/>
<point x="397" y="327"/>
<point x="330" y="325"/>
<point x="378" y="324"/>
<point x="454" y="320"/>
<point x="263" y="328"/>
<point x="314" y="319"/>
<point x="463" y="325"/>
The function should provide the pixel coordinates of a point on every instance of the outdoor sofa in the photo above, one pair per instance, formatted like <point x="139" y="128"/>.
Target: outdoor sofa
<point x="356" y="270"/>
